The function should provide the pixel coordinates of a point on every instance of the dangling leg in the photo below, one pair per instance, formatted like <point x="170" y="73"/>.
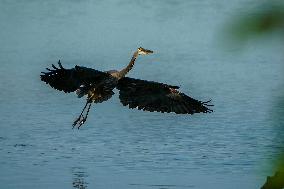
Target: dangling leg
<point x="81" y="115"/>
<point x="84" y="117"/>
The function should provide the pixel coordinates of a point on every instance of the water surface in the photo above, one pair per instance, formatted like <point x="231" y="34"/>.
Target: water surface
<point x="122" y="148"/>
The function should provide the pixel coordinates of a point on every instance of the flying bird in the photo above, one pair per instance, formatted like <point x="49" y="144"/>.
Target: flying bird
<point x="98" y="87"/>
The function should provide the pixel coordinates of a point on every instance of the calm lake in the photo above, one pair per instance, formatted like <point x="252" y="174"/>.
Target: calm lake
<point x="131" y="149"/>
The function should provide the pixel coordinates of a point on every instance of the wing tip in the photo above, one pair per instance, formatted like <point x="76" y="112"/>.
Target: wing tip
<point x="206" y="105"/>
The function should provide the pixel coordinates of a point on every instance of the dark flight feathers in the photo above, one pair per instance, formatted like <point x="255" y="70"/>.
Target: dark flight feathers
<point x="68" y="80"/>
<point x="153" y="96"/>
<point x="144" y="95"/>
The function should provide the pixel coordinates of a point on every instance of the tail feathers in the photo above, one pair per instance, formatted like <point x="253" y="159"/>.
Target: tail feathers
<point x="81" y="91"/>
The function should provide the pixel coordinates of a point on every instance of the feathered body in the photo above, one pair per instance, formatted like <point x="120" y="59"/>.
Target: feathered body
<point x="98" y="87"/>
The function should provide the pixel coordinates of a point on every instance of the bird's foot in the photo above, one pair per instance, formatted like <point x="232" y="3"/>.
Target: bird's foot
<point x="82" y="122"/>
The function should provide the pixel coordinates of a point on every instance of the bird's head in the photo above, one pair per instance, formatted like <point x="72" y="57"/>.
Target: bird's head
<point x="142" y="51"/>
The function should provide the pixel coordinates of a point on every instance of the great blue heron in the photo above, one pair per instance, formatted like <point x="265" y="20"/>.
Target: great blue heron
<point x="98" y="86"/>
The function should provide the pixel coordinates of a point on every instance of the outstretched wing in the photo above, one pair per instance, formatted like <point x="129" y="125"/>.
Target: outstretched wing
<point x="152" y="96"/>
<point x="68" y="80"/>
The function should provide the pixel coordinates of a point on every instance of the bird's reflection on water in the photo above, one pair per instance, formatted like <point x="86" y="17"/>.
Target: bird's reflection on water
<point x="79" y="178"/>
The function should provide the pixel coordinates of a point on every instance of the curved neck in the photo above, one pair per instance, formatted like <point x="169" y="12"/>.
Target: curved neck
<point x="124" y="71"/>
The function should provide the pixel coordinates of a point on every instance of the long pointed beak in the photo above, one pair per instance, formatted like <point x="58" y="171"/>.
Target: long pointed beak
<point x="148" y="51"/>
<point x="144" y="51"/>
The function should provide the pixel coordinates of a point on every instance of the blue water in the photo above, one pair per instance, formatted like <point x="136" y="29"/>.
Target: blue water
<point x="122" y="148"/>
